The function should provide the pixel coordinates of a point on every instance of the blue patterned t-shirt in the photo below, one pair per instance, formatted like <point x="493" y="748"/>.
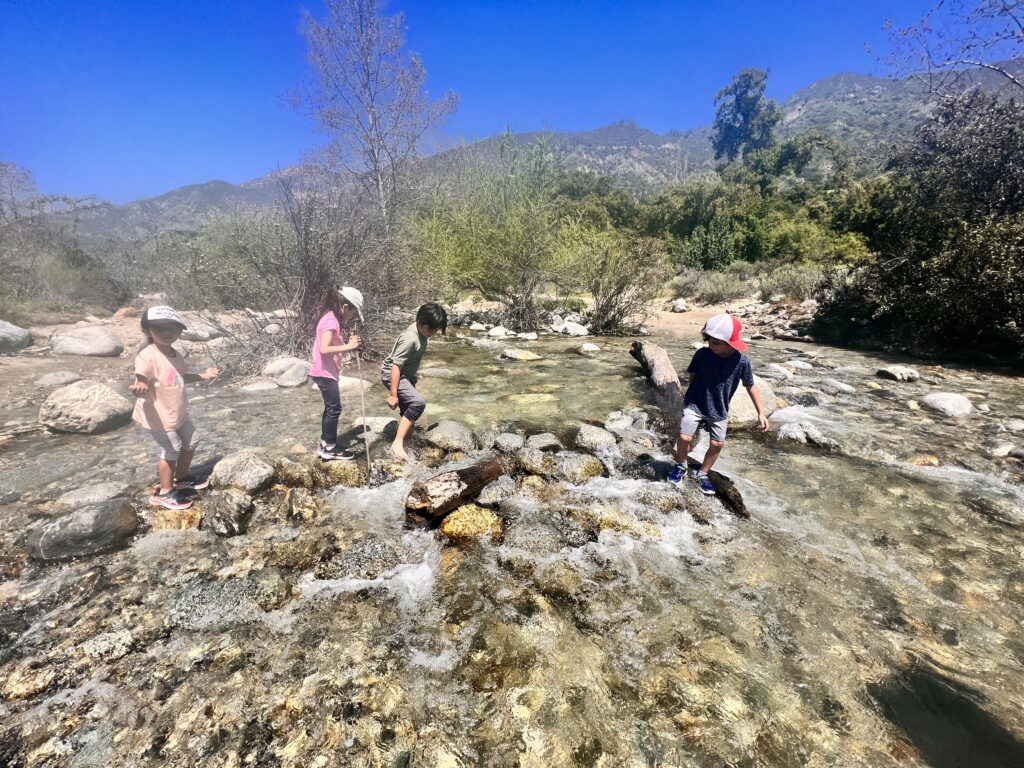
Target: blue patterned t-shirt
<point x="716" y="381"/>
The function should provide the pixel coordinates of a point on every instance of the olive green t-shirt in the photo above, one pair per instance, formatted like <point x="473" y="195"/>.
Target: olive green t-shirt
<point x="406" y="354"/>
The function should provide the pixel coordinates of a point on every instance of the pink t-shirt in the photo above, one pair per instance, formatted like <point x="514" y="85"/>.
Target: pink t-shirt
<point x="164" y="407"/>
<point x="328" y="366"/>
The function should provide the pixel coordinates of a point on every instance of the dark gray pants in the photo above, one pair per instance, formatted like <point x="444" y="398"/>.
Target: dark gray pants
<point x="410" y="401"/>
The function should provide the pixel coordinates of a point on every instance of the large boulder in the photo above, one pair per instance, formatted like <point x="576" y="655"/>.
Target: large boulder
<point x="287" y="371"/>
<point x="573" y="329"/>
<point x="225" y="512"/>
<point x="451" y="436"/>
<point x="90" y="530"/>
<point x="91" y="341"/>
<point x="85" y="407"/>
<point x="13" y="338"/>
<point x="948" y="404"/>
<point x="741" y="410"/>
<point x="57" y="379"/>
<point x="244" y="470"/>
<point x="93" y="494"/>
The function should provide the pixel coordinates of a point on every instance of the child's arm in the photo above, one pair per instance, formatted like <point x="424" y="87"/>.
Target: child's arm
<point x="396" y="375"/>
<point x="326" y="348"/>
<point x="755" y="398"/>
<point x="140" y="386"/>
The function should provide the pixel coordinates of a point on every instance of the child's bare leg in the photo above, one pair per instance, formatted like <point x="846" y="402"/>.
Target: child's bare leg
<point x="684" y="444"/>
<point x="404" y="430"/>
<point x="711" y="455"/>
<point x="165" y="473"/>
<point x="184" y="462"/>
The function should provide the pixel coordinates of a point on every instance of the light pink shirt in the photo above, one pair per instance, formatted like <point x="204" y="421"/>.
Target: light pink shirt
<point x="328" y="366"/>
<point x="164" y="407"/>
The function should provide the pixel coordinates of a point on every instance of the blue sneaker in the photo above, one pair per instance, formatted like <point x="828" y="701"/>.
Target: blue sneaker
<point x="705" y="484"/>
<point x="676" y="475"/>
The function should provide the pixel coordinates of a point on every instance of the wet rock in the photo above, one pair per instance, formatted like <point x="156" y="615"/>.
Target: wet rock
<point x="948" y="404"/>
<point x="13" y="338"/>
<point x="806" y="433"/>
<point x="537" y="462"/>
<point x="85" y="407"/>
<point x="1013" y="425"/>
<point x="741" y="410"/>
<point x="834" y="386"/>
<point x="798" y="365"/>
<point x="924" y="460"/>
<point x="1001" y="450"/>
<point x="450" y="435"/>
<point x="587" y="350"/>
<point x="528" y="336"/>
<point x="259" y="385"/>
<point x="591" y="438"/>
<point x="161" y="519"/>
<point x="545" y="441"/>
<point x="57" y="379"/>
<point x="577" y="468"/>
<point x="92" y="494"/>
<point x="479" y="327"/>
<point x="225" y="512"/>
<point x="327" y="474"/>
<point x="898" y="373"/>
<point x="569" y="328"/>
<point x="301" y="504"/>
<point x="310" y="549"/>
<point x="244" y="470"/>
<point x="521" y="355"/>
<point x="776" y="371"/>
<point x="294" y="474"/>
<point x="294" y="376"/>
<point x="633" y="449"/>
<point x="509" y="442"/>
<point x="109" y="646"/>
<point x="90" y="341"/>
<point x="559" y="579"/>
<point x="500" y="331"/>
<point x="470" y="522"/>
<point x="368" y="558"/>
<point x="484" y="437"/>
<point x="497" y="491"/>
<point x="91" y="530"/>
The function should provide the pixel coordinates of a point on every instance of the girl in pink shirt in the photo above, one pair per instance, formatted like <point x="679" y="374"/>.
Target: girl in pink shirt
<point x="340" y="308"/>
<point x="162" y="408"/>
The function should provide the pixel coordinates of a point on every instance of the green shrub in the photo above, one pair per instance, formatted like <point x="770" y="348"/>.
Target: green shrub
<point x="794" y="281"/>
<point x="685" y="284"/>
<point x="718" y="287"/>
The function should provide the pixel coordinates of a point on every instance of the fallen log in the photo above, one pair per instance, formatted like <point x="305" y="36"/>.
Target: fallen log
<point x="659" y="370"/>
<point x="431" y="499"/>
<point x="779" y="336"/>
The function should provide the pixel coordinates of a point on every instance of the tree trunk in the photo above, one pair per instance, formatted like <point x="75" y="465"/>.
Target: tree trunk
<point x="430" y="500"/>
<point x="658" y="369"/>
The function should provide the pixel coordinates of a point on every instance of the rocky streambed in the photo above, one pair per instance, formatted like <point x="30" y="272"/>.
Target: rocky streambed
<point x="577" y="611"/>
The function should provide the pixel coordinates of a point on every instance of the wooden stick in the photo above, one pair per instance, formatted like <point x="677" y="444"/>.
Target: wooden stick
<point x="431" y="499"/>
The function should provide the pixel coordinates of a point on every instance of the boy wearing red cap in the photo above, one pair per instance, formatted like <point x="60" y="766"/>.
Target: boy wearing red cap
<point x="715" y="374"/>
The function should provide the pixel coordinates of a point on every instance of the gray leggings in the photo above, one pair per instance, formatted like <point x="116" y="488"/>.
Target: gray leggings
<point x="410" y="401"/>
<point x="171" y="443"/>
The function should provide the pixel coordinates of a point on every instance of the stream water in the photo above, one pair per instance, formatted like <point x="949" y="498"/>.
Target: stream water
<point x="868" y="614"/>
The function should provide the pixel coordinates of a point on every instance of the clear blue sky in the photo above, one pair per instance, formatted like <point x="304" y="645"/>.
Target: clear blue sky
<point x="127" y="99"/>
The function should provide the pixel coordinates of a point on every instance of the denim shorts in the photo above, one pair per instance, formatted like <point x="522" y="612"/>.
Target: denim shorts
<point x="693" y="420"/>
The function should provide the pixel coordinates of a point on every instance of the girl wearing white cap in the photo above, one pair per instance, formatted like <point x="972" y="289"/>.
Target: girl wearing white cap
<point x="332" y="338"/>
<point x="162" y="407"/>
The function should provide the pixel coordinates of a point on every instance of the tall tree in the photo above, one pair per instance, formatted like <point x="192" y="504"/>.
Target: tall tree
<point x="744" y="119"/>
<point x="369" y="95"/>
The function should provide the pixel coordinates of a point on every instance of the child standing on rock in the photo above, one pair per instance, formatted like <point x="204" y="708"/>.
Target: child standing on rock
<point x="399" y="369"/>
<point x="715" y="373"/>
<point x="332" y="338"/>
<point x="162" y="407"/>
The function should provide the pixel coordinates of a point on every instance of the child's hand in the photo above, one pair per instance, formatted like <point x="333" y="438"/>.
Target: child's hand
<point x="139" y="387"/>
<point x="762" y="420"/>
<point x="392" y="402"/>
<point x="210" y="374"/>
<point x="354" y="342"/>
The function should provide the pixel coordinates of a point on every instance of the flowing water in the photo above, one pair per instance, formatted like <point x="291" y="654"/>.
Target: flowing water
<point x="868" y="614"/>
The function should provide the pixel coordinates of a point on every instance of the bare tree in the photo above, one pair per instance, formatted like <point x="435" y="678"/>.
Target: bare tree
<point x="369" y="96"/>
<point x="956" y="36"/>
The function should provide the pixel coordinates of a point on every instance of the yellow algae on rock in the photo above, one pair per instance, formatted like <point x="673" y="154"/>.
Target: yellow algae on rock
<point x="471" y="522"/>
<point x="326" y="474"/>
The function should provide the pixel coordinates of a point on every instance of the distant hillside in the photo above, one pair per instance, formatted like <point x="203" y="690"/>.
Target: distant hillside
<point x="868" y="114"/>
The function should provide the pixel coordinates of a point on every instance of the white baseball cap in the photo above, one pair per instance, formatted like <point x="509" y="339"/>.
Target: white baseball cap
<point x="354" y="297"/>
<point x="164" y="314"/>
<point x="726" y="328"/>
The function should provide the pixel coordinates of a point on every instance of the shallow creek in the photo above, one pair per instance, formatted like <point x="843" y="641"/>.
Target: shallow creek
<point x="869" y="614"/>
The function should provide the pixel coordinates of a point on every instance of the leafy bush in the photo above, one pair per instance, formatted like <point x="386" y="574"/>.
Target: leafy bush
<point x="719" y="287"/>
<point x="794" y="281"/>
<point x="684" y="285"/>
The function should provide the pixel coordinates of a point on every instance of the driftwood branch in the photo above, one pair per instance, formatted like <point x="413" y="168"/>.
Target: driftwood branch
<point x="659" y="370"/>
<point x="431" y="499"/>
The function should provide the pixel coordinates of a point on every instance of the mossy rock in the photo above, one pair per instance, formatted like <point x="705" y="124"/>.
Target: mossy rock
<point x="470" y="522"/>
<point x="327" y="474"/>
<point x="294" y="475"/>
<point x="301" y="504"/>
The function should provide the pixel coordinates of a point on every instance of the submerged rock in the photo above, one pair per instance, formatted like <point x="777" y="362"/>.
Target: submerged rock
<point x="497" y="491"/>
<point x="327" y="474"/>
<point x="521" y="355"/>
<point x="90" y="341"/>
<point x="545" y="441"/>
<point x="85" y="407"/>
<point x="471" y="521"/>
<point x="805" y="432"/>
<point x="577" y="468"/>
<point x="225" y="512"/>
<point x="93" y="494"/>
<point x="57" y="379"/>
<point x="13" y="338"/>
<point x="91" y="530"/>
<point x="244" y="470"/>
<point x="948" y="403"/>
<point x="834" y="386"/>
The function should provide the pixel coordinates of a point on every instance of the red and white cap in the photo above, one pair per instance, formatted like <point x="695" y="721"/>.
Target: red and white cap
<point x="727" y="328"/>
